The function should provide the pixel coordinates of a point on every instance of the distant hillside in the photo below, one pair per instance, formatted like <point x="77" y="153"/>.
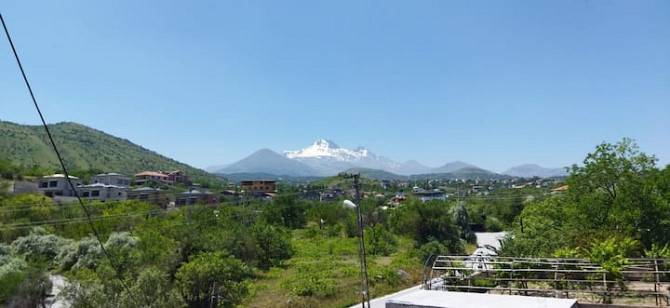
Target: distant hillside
<point x="531" y="170"/>
<point x="411" y="167"/>
<point x="267" y="161"/>
<point x="245" y="176"/>
<point x="375" y="174"/>
<point x="451" y="167"/>
<point x="463" y="173"/>
<point x="83" y="148"/>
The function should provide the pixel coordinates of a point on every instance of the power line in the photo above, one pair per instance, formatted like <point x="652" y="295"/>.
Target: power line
<point x="60" y="160"/>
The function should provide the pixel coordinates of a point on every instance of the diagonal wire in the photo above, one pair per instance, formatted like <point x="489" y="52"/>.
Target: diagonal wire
<point x="60" y="159"/>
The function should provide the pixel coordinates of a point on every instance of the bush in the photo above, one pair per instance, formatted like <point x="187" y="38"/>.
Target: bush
<point x="431" y="249"/>
<point x="492" y="224"/>
<point x="82" y="254"/>
<point x="39" y="245"/>
<point x="12" y="274"/>
<point x="379" y="241"/>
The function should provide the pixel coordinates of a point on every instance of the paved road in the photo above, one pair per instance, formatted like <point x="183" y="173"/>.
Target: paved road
<point x="58" y="284"/>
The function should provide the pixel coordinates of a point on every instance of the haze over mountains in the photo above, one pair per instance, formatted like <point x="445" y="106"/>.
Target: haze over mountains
<point x="86" y="148"/>
<point x="325" y="158"/>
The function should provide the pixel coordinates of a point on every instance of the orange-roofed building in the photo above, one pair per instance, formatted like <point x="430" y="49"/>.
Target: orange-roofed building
<point x="145" y="177"/>
<point x="559" y="189"/>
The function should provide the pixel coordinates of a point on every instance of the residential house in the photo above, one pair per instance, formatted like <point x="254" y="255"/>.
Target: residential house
<point x="386" y="184"/>
<point x="57" y="185"/>
<point x="395" y="201"/>
<point x="111" y="179"/>
<point x="103" y="192"/>
<point x="147" y="177"/>
<point x="151" y="195"/>
<point x="177" y="176"/>
<point x="258" y="186"/>
<point x="426" y="195"/>
<point x="192" y="196"/>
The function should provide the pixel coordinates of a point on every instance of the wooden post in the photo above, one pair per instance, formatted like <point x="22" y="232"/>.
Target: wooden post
<point x="657" y="282"/>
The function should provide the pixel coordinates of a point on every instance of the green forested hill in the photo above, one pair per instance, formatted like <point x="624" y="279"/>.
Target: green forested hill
<point x="83" y="148"/>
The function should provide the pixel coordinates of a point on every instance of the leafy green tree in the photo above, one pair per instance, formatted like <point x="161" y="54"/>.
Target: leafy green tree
<point x="197" y="278"/>
<point x="462" y="220"/>
<point x="24" y="208"/>
<point x="547" y="226"/>
<point x="612" y="254"/>
<point x="12" y="274"/>
<point x="121" y="250"/>
<point x="426" y="221"/>
<point x="285" y="211"/>
<point x="431" y="249"/>
<point x="33" y="290"/>
<point x="379" y="241"/>
<point x="616" y="191"/>
<point x="274" y="245"/>
<point x="152" y="289"/>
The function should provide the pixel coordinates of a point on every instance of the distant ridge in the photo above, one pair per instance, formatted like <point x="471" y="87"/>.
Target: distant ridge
<point x="268" y="161"/>
<point x="532" y="170"/>
<point x="375" y="174"/>
<point x="323" y="158"/>
<point x="451" y="167"/>
<point x="463" y="173"/>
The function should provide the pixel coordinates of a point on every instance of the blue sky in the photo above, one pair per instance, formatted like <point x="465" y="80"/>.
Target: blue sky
<point x="492" y="83"/>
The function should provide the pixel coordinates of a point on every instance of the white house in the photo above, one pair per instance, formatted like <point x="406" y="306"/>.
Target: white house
<point x="57" y="185"/>
<point x="426" y="195"/>
<point x="103" y="192"/>
<point x="111" y="178"/>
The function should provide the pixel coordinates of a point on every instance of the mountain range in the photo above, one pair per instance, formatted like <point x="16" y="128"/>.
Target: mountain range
<point x="325" y="158"/>
<point x="85" y="148"/>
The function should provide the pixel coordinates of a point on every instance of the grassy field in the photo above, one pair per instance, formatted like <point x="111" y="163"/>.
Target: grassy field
<point x="324" y="272"/>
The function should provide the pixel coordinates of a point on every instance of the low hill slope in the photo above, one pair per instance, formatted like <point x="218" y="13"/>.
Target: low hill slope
<point x="83" y="148"/>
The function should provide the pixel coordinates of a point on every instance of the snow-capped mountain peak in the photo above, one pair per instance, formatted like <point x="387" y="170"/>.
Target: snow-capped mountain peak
<point x="326" y="149"/>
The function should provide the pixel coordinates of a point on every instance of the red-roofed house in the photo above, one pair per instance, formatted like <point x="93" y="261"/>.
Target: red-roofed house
<point x="143" y="178"/>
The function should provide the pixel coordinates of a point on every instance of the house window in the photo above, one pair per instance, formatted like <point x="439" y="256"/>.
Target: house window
<point x="95" y="193"/>
<point x="44" y="184"/>
<point x="53" y="183"/>
<point x="85" y="194"/>
<point x="144" y="197"/>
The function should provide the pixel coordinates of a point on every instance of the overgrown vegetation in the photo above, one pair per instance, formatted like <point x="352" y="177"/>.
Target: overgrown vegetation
<point x="292" y="252"/>
<point x="82" y="148"/>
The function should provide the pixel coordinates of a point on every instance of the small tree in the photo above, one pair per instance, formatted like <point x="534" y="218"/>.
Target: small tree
<point x="197" y="278"/>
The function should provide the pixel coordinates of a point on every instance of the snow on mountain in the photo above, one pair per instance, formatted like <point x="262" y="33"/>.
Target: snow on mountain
<point x="328" y="158"/>
<point x="325" y="158"/>
<point x="326" y="149"/>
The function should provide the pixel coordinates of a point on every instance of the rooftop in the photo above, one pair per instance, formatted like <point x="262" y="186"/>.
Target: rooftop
<point x="151" y="173"/>
<point x="425" y="298"/>
<point x="147" y="189"/>
<point x="59" y="175"/>
<point x="110" y="173"/>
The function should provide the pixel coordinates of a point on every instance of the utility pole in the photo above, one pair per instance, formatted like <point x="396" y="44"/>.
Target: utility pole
<point x="365" y="294"/>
